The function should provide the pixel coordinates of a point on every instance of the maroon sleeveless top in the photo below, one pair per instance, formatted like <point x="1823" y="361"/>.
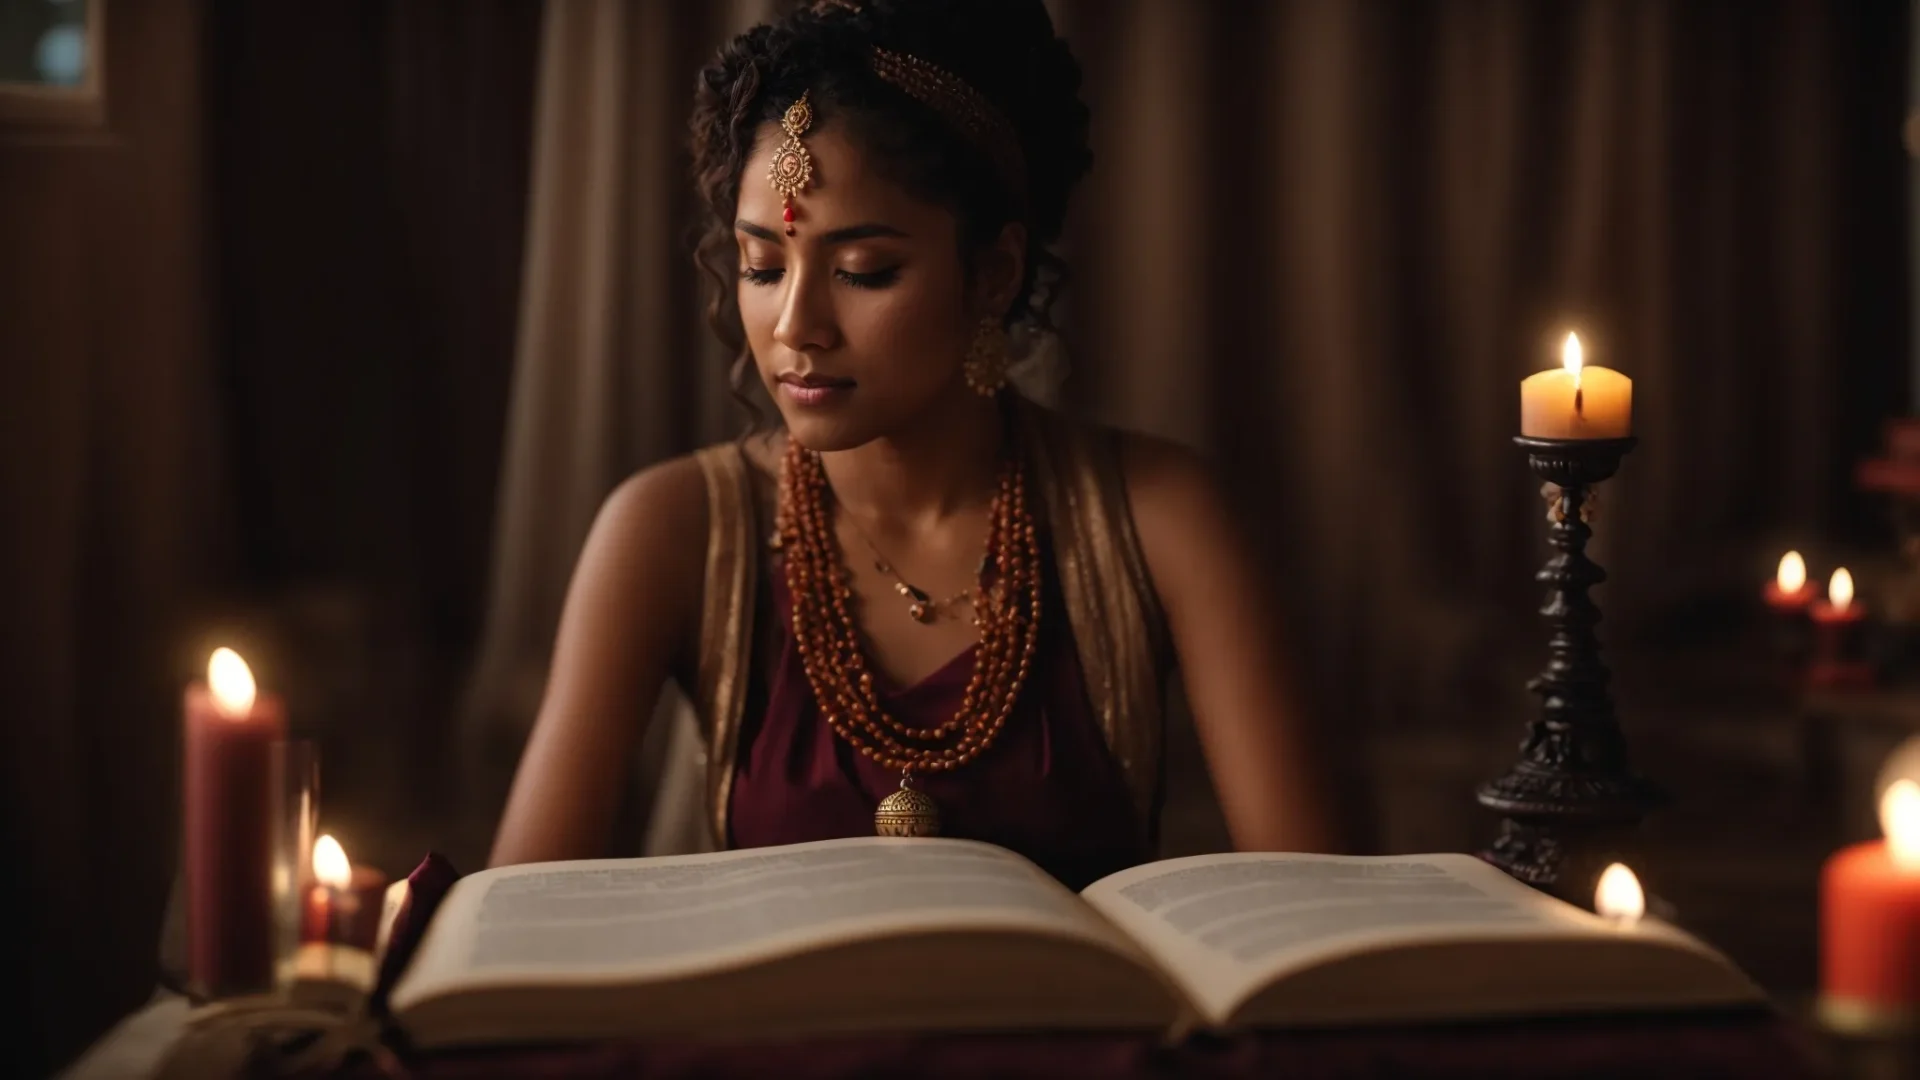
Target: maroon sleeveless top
<point x="1048" y="787"/>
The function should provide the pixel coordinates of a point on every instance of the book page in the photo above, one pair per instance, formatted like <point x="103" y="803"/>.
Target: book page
<point x="630" y="919"/>
<point x="1225" y="925"/>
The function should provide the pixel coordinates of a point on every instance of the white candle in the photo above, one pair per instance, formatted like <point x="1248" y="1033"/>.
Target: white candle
<point x="1575" y="401"/>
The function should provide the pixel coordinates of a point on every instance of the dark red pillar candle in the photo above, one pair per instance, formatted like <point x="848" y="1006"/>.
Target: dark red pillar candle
<point x="1788" y="597"/>
<point x="229" y="823"/>
<point x="1839" y="638"/>
<point x="1789" y="593"/>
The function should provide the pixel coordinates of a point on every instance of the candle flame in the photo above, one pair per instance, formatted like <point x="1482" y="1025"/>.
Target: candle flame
<point x="232" y="683"/>
<point x="1840" y="590"/>
<point x="1619" y="895"/>
<point x="330" y="865"/>
<point x="1572" y="357"/>
<point x="1792" y="575"/>
<point x="1900" y="820"/>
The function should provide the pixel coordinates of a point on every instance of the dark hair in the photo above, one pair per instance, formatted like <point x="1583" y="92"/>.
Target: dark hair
<point x="1005" y="49"/>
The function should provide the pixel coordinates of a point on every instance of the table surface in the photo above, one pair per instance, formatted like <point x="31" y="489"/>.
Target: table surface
<point x="1748" y="1045"/>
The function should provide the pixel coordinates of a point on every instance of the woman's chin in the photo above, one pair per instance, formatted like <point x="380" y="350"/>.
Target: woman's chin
<point x="825" y="434"/>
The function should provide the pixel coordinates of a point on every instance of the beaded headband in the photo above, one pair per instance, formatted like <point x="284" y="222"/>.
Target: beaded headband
<point x="959" y="104"/>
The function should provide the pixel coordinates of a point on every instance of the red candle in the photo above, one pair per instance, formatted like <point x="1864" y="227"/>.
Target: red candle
<point x="230" y="733"/>
<point x="1870" y="924"/>
<point x="343" y="907"/>
<point x="1789" y="593"/>
<point x="1788" y="596"/>
<point x="1839" y="645"/>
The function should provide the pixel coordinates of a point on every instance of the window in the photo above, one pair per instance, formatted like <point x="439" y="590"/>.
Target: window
<point x="50" y="69"/>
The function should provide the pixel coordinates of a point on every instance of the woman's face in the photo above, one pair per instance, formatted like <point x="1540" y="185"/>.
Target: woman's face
<point x="859" y="322"/>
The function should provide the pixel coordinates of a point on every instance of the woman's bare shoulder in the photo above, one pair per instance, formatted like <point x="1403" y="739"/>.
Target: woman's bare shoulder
<point x="668" y="500"/>
<point x="661" y="504"/>
<point x="1152" y="464"/>
<point x="1148" y="463"/>
<point x="645" y="557"/>
<point x="659" y="515"/>
<point x="1178" y="508"/>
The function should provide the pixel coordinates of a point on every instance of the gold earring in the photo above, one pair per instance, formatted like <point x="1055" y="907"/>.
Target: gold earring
<point x="986" y="366"/>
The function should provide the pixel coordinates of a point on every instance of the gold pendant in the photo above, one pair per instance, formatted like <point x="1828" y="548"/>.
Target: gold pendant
<point x="907" y="812"/>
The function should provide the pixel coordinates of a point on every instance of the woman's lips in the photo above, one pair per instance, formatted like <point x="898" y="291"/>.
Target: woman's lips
<point x="813" y="389"/>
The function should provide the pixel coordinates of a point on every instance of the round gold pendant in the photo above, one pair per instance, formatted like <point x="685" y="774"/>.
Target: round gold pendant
<point x="907" y="812"/>
<point x="791" y="169"/>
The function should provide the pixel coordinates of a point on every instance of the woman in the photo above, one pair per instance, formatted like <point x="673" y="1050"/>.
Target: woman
<point x="923" y="604"/>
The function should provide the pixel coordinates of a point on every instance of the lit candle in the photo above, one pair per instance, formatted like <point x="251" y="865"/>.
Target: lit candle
<point x="1870" y="923"/>
<point x="230" y="731"/>
<point x="1790" y="592"/>
<point x="1619" y="898"/>
<point x="1839" y="624"/>
<point x="1788" y="596"/>
<point x="1576" y="401"/>
<point x="345" y="904"/>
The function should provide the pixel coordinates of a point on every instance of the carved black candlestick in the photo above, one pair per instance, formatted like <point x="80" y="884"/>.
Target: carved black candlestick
<point x="1567" y="804"/>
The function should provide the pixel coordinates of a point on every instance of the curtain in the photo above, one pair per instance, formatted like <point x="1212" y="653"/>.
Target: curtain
<point x="1323" y="242"/>
<point x="368" y="186"/>
<point x="614" y="367"/>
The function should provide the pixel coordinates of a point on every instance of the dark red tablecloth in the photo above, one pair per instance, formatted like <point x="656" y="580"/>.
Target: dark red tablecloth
<point x="1744" y="1045"/>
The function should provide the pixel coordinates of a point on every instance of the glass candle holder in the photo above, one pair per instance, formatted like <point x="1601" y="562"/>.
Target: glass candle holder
<point x="296" y="783"/>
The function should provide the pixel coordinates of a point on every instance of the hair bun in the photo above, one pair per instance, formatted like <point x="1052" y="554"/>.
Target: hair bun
<point x="1009" y="52"/>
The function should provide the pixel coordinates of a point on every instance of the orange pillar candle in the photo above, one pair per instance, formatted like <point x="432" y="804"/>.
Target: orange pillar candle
<point x="1870" y="924"/>
<point x="1576" y="401"/>
<point x="229" y="821"/>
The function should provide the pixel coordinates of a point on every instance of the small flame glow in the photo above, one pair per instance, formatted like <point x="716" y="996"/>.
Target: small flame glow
<point x="1792" y="575"/>
<point x="1900" y="820"/>
<point x="231" y="682"/>
<point x="330" y="865"/>
<point x="1840" y="590"/>
<point x="1572" y="357"/>
<point x="1619" y="895"/>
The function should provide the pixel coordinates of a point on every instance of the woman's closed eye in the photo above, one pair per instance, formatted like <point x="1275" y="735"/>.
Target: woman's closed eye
<point x="875" y="279"/>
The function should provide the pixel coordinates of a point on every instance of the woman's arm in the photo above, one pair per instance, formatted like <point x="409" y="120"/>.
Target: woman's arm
<point x="1226" y="633"/>
<point x="630" y="612"/>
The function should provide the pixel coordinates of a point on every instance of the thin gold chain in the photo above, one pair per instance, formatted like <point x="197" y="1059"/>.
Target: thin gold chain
<point x="920" y="605"/>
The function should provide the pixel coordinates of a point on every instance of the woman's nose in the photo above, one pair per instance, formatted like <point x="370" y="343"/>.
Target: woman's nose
<point x="806" y="321"/>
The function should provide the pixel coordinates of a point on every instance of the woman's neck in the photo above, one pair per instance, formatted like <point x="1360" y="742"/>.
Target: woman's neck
<point x="943" y="464"/>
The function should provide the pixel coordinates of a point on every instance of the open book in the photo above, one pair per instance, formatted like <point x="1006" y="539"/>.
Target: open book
<point x="877" y="934"/>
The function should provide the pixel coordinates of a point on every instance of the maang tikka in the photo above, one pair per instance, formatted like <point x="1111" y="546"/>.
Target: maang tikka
<point x="792" y="166"/>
